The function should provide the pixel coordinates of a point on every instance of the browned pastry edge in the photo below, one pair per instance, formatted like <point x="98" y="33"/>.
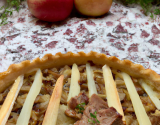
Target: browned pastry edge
<point x="59" y="60"/>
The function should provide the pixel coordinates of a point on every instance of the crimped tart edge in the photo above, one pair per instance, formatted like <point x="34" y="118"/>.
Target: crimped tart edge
<point x="59" y="60"/>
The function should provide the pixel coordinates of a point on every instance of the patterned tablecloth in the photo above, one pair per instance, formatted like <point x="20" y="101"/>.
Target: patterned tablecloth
<point x="125" y="32"/>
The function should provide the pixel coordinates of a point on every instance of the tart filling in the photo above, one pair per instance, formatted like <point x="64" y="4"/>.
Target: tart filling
<point x="95" y="90"/>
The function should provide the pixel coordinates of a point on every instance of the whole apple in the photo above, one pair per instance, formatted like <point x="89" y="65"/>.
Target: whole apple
<point x="93" y="7"/>
<point x="50" y="10"/>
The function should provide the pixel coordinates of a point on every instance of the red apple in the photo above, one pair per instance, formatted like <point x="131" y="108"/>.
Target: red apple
<point x="50" y="10"/>
<point x="93" y="7"/>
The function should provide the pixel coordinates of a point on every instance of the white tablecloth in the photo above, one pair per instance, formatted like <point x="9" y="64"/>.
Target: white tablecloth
<point x="124" y="32"/>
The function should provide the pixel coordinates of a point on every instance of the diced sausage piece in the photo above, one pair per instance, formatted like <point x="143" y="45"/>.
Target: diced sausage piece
<point x="97" y="111"/>
<point x="109" y="117"/>
<point x="74" y="101"/>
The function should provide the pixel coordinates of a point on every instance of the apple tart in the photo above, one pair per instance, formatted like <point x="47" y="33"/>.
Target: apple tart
<point x="79" y="89"/>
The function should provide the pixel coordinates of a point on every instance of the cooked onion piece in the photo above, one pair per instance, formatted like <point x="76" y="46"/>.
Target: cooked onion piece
<point x="62" y="119"/>
<point x="91" y="83"/>
<point x="151" y="93"/>
<point x="53" y="106"/>
<point x="111" y="91"/>
<point x="117" y="73"/>
<point x="102" y="96"/>
<point x="24" y="117"/>
<point x="54" y="74"/>
<point x="10" y="99"/>
<point x="140" y="112"/>
<point x="74" y="86"/>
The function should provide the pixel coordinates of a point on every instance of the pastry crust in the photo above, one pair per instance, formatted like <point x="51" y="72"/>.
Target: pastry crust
<point x="59" y="60"/>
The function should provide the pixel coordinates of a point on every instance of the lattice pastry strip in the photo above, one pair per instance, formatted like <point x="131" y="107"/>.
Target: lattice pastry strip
<point x="53" y="106"/>
<point x="91" y="83"/>
<point x="140" y="112"/>
<point x="10" y="99"/>
<point x="152" y="94"/>
<point x="111" y="91"/>
<point x="74" y="86"/>
<point x="24" y="116"/>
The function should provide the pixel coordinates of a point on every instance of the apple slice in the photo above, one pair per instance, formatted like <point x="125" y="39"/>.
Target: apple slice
<point x="24" y="116"/>
<point x="140" y="112"/>
<point x="7" y="106"/>
<point x="91" y="83"/>
<point x="111" y="91"/>
<point x="53" y="106"/>
<point x="74" y="86"/>
<point x="151" y="93"/>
